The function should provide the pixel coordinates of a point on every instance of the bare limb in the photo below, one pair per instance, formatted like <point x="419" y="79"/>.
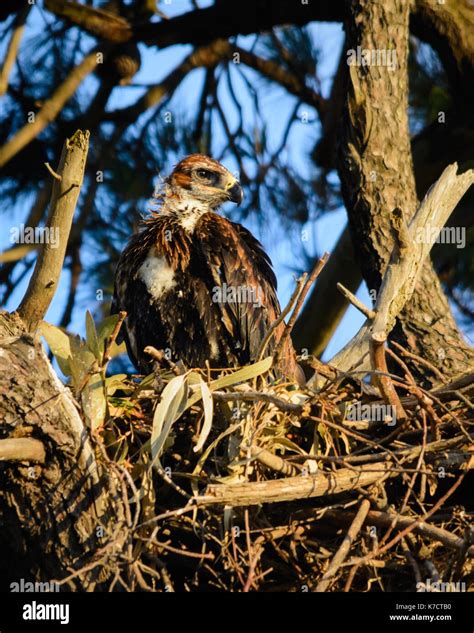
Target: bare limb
<point x="45" y="278"/>
<point x="406" y="263"/>
<point x="387" y="519"/>
<point x="22" y="449"/>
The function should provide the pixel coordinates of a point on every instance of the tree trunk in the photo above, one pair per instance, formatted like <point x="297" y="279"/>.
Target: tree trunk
<point x="376" y="172"/>
<point x="56" y="514"/>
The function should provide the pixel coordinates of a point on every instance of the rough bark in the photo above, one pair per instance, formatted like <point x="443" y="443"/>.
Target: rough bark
<point x="405" y="267"/>
<point x="50" y="512"/>
<point x="376" y="171"/>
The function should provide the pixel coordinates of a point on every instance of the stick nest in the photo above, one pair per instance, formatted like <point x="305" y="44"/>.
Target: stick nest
<point x="233" y="481"/>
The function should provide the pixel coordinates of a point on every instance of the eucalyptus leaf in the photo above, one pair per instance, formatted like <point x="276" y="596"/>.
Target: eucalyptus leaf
<point x="171" y="406"/>
<point x="94" y="403"/>
<point x="59" y="343"/>
<point x="91" y="337"/>
<point x="208" y="415"/>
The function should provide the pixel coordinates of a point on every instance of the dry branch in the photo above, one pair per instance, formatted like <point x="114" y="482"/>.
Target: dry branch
<point x="406" y="262"/>
<point x="343" y="550"/>
<point x="382" y="377"/>
<point x="23" y="449"/>
<point x="388" y="519"/>
<point x="290" y="488"/>
<point x="64" y="197"/>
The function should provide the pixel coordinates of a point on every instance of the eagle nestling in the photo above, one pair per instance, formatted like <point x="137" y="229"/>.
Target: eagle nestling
<point x="195" y="284"/>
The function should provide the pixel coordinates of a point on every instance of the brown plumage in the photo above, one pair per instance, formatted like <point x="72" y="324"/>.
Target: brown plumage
<point x="195" y="284"/>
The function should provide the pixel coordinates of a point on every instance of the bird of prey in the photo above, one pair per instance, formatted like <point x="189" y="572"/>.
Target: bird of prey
<point x="196" y="285"/>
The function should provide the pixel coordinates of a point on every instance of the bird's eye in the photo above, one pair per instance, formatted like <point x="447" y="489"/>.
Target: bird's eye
<point x="204" y="173"/>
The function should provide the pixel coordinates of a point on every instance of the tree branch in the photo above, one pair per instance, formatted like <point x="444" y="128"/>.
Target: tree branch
<point x="406" y="263"/>
<point x="53" y="512"/>
<point x="50" y="109"/>
<point x="345" y="546"/>
<point x="45" y="278"/>
<point x="23" y="449"/>
<point x="12" y="49"/>
<point x="197" y="27"/>
<point x="205" y="57"/>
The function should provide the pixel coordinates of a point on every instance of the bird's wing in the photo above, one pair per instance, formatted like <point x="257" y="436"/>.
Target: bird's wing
<point x="130" y="294"/>
<point x="241" y="283"/>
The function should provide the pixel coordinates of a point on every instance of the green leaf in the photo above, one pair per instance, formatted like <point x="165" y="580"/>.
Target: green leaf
<point x="59" y="343"/>
<point x="105" y="329"/>
<point x="82" y="362"/>
<point x="208" y="415"/>
<point x="240" y="375"/>
<point x="94" y="403"/>
<point x="91" y="337"/>
<point x="116" y="382"/>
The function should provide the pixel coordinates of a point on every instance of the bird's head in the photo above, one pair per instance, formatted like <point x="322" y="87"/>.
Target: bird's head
<point x="201" y="178"/>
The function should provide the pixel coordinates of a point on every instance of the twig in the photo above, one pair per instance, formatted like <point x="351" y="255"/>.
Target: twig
<point x="52" y="172"/>
<point x="283" y="405"/>
<point x="382" y="377"/>
<point x="370" y="314"/>
<point x="282" y="316"/>
<point x="299" y="304"/>
<point x="160" y="357"/>
<point x="343" y="550"/>
<point x="420" y="360"/>
<point x="386" y="519"/>
<point x="274" y="462"/>
<point x="409" y="528"/>
<point x="111" y="340"/>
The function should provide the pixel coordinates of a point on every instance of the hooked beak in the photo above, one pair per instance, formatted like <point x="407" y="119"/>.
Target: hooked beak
<point x="236" y="193"/>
